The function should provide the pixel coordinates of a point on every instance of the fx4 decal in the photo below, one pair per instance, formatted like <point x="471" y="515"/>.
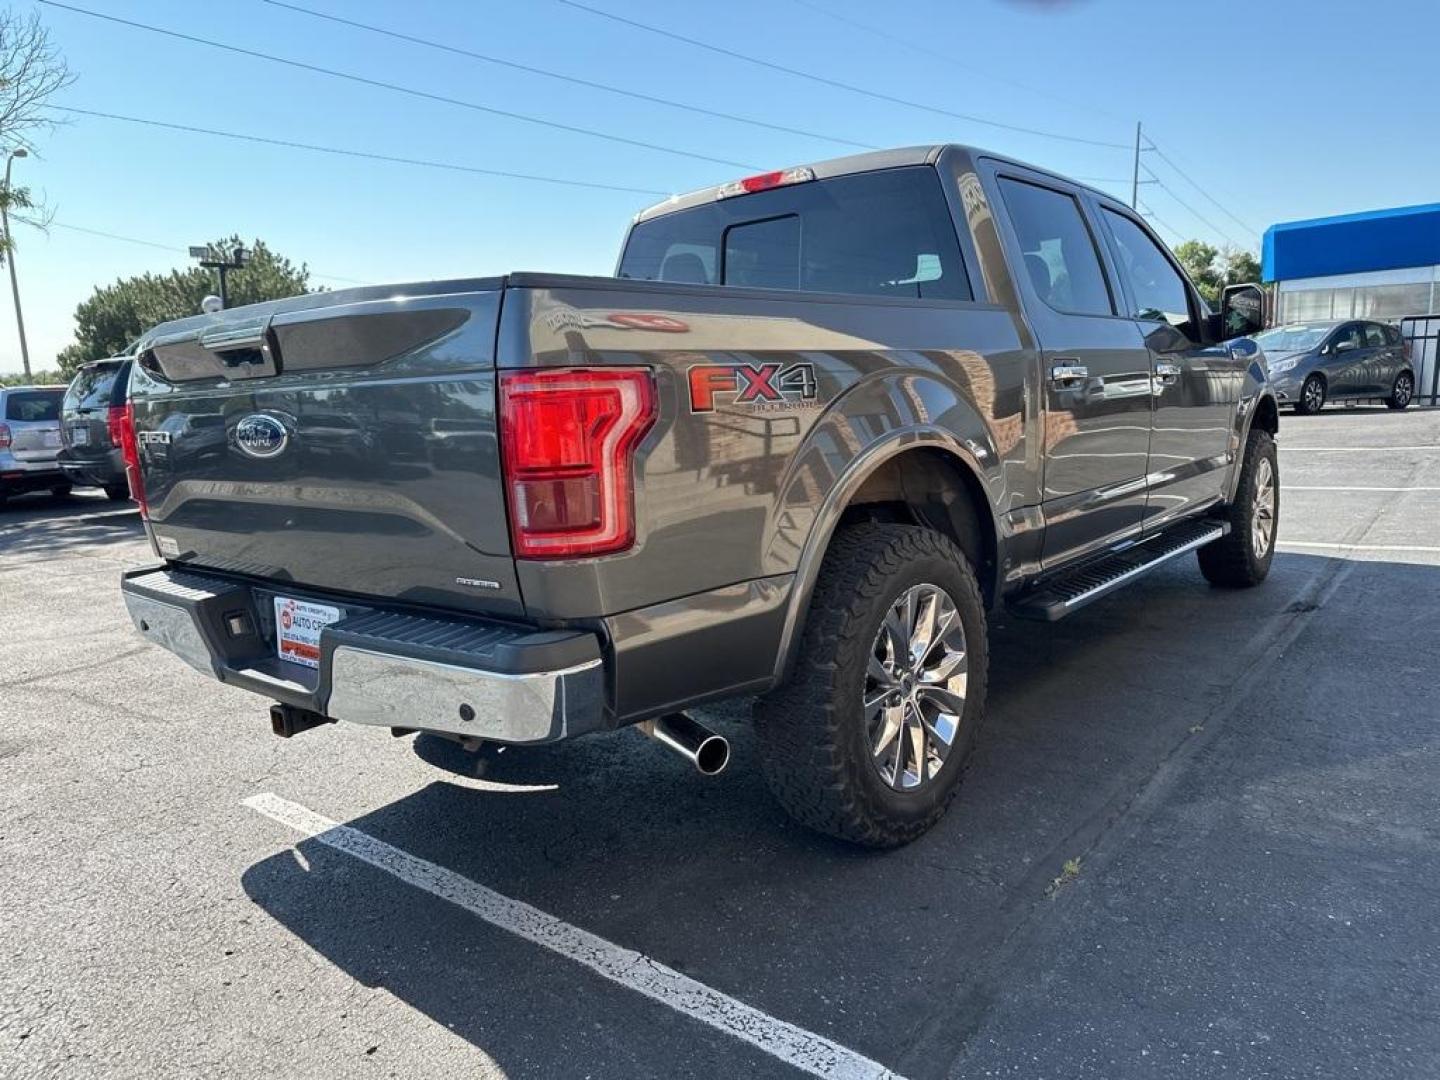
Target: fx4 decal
<point x="763" y="386"/>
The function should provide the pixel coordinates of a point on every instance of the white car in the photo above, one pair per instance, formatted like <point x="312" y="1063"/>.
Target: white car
<point x="30" y="440"/>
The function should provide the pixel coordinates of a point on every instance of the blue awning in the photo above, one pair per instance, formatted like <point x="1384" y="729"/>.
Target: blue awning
<point x="1352" y="243"/>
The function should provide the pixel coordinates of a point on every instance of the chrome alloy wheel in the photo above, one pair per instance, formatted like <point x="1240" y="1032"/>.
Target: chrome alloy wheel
<point x="1404" y="387"/>
<point x="915" y="687"/>
<point x="1262" y="509"/>
<point x="1314" y="391"/>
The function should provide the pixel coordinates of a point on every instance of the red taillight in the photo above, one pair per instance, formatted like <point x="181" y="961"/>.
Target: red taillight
<point x="129" y="451"/>
<point x="115" y="424"/>
<point x="4" y="436"/>
<point x="568" y="441"/>
<point x="765" y="181"/>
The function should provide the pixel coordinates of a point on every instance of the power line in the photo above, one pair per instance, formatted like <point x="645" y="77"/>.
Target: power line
<point x="636" y="95"/>
<point x="1145" y="210"/>
<point x="172" y="247"/>
<point x="877" y="95"/>
<point x="1161" y="154"/>
<point x="948" y="58"/>
<point x="1193" y="212"/>
<point x="396" y="87"/>
<point x="366" y="154"/>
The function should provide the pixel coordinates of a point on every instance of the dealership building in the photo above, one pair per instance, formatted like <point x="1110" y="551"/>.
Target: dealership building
<point x="1380" y="264"/>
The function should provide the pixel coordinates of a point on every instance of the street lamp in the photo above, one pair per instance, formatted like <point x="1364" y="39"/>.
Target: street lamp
<point x="10" y="242"/>
<point x="223" y="262"/>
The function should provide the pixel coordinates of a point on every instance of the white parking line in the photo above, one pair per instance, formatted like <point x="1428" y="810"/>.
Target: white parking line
<point x="1356" y="547"/>
<point x="1353" y="449"/>
<point x="1308" y="487"/>
<point x="795" y="1046"/>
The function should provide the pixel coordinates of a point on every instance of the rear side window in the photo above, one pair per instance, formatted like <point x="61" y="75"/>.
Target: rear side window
<point x="1059" y="252"/>
<point x="1392" y="335"/>
<point x="886" y="233"/>
<point x="1375" y="336"/>
<point x="33" y="406"/>
<point x="93" y="387"/>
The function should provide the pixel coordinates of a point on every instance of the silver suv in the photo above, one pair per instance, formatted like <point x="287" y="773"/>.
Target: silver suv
<point x="30" y="440"/>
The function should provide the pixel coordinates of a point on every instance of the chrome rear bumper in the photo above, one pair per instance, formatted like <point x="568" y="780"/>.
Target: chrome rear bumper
<point x="385" y="668"/>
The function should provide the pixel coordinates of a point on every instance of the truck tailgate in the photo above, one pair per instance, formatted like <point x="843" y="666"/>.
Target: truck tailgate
<point x="340" y="441"/>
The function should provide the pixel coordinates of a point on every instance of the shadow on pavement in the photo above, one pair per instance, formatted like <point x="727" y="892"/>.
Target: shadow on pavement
<point x="897" y="955"/>
<point x="46" y="524"/>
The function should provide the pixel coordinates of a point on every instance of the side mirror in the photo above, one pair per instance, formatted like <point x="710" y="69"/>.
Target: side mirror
<point x="1242" y="311"/>
<point x="1346" y="345"/>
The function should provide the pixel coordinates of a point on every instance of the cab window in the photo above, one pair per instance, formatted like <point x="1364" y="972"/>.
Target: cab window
<point x="1059" y="252"/>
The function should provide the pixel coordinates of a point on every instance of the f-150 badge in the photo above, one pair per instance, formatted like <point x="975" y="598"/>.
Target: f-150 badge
<point x="759" y="386"/>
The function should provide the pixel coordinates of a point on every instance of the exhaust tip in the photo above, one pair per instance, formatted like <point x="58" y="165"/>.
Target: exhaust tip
<point x="712" y="755"/>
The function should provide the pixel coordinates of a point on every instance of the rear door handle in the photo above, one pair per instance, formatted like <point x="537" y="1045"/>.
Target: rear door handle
<point x="1067" y="372"/>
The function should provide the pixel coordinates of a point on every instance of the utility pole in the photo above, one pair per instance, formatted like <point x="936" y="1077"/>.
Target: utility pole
<point x="222" y="262"/>
<point x="1135" y="176"/>
<point x="10" y="257"/>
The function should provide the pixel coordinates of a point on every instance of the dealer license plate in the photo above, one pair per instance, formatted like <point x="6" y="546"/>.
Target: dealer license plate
<point x="297" y="629"/>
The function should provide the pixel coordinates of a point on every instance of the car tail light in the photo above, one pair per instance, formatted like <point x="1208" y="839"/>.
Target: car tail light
<point x="568" y="441"/>
<point x="129" y="452"/>
<point x="765" y="181"/>
<point x="4" y="436"/>
<point x="115" y="424"/>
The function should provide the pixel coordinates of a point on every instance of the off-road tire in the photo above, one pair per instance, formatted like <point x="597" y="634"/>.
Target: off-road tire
<point x="1401" y="395"/>
<point x="1232" y="562"/>
<point x="814" y="745"/>
<point x="1306" y="402"/>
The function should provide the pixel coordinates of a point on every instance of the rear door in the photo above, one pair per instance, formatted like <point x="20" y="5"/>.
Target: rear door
<point x="1196" y="387"/>
<point x="341" y="442"/>
<point x="33" y="417"/>
<point x="1096" y="368"/>
<point x="1380" y="362"/>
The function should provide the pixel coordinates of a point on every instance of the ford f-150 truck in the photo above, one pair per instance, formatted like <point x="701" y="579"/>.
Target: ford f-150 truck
<point x="819" y="423"/>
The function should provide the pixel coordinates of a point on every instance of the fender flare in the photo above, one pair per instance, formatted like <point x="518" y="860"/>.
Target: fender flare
<point x="827" y="518"/>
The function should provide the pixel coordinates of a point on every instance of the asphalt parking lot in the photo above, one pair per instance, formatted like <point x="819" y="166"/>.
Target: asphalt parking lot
<point x="1201" y="837"/>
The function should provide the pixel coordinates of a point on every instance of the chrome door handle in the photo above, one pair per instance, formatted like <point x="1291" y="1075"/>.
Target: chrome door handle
<point x="1166" y="372"/>
<point x="1066" y="372"/>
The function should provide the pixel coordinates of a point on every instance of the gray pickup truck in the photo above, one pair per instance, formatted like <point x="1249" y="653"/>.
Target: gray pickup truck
<point x="819" y="423"/>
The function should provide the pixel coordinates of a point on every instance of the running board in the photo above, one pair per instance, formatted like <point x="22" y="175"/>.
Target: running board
<point x="1056" y="598"/>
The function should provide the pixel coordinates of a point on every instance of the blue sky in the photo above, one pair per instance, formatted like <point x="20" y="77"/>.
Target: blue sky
<point x="1292" y="113"/>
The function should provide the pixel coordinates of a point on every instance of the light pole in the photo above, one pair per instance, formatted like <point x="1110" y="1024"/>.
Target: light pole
<point x="10" y="256"/>
<point x="221" y="261"/>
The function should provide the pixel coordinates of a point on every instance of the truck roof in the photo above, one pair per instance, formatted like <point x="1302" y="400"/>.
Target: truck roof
<point x="871" y="161"/>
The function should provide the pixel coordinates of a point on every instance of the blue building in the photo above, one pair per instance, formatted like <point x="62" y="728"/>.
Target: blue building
<point x="1380" y="264"/>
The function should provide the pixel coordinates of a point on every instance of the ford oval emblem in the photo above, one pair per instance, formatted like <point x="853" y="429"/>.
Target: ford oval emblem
<point x="261" y="436"/>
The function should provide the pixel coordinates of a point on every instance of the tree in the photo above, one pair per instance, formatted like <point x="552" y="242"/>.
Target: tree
<point x="31" y="70"/>
<point x="1213" y="268"/>
<point x="110" y="321"/>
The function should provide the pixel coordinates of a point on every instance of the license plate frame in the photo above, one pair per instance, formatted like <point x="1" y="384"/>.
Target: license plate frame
<point x="79" y="436"/>
<point x="298" y="624"/>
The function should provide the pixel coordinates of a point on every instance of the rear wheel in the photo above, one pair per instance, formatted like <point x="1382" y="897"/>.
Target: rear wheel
<point x="1402" y="392"/>
<point x="117" y="492"/>
<point x="1312" y="396"/>
<point x="870" y="736"/>
<point x="1242" y="557"/>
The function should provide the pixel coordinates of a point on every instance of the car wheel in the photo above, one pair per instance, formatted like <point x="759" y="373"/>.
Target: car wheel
<point x="61" y="491"/>
<point x="1403" y="391"/>
<point x="117" y="492"/>
<point x="869" y="737"/>
<point x="1242" y="557"/>
<point x="1312" y="396"/>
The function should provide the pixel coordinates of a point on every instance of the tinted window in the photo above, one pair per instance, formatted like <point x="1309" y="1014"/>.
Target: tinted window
<point x="1159" y="290"/>
<point x="1060" y="255"/>
<point x="30" y="406"/>
<point x="93" y="387"/>
<point x="1375" y="336"/>
<point x="884" y="233"/>
<point x="1348" y="336"/>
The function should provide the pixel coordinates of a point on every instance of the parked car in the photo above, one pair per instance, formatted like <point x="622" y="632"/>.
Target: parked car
<point x="746" y="465"/>
<point x="90" y="426"/>
<point x="30" y="440"/>
<point x="1337" y="360"/>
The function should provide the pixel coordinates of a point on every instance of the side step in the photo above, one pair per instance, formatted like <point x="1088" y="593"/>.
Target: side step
<point x="1058" y="597"/>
